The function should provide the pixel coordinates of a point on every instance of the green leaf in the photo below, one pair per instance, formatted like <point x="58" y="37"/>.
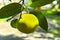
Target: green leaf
<point x="10" y="10"/>
<point x="50" y="12"/>
<point x="59" y="6"/>
<point x="38" y="3"/>
<point x="58" y="19"/>
<point x="14" y="23"/>
<point x="42" y="20"/>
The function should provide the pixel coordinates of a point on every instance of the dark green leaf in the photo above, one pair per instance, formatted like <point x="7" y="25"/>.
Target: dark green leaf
<point x="10" y="10"/>
<point x="42" y="20"/>
<point x="38" y="3"/>
<point x="14" y="23"/>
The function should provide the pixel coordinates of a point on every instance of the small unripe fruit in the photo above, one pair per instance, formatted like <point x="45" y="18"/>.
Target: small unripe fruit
<point x="14" y="23"/>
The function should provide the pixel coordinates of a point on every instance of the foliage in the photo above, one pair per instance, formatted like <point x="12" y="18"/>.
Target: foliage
<point x="39" y="3"/>
<point x="13" y="9"/>
<point x="14" y="23"/>
<point x="10" y="10"/>
<point x="42" y="20"/>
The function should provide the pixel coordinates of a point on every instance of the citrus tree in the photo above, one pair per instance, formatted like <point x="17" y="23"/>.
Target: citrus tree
<point x="26" y="22"/>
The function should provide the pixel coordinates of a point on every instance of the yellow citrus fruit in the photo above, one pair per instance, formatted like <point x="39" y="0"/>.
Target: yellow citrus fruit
<point x="28" y="23"/>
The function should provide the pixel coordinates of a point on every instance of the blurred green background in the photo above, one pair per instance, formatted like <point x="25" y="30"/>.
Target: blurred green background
<point x="52" y="15"/>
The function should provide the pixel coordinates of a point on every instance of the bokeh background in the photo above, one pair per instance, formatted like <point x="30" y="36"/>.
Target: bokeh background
<point x="9" y="33"/>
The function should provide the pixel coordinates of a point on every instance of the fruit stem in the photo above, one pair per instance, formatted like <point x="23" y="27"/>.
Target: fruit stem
<point x="19" y="1"/>
<point x="23" y="2"/>
<point x="26" y="8"/>
<point x="22" y="7"/>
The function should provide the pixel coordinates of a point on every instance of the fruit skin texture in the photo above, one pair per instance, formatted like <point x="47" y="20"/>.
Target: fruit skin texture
<point x="28" y="23"/>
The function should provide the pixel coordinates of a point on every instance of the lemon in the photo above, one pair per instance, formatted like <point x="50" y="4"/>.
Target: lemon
<point x="28" y="23"/>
